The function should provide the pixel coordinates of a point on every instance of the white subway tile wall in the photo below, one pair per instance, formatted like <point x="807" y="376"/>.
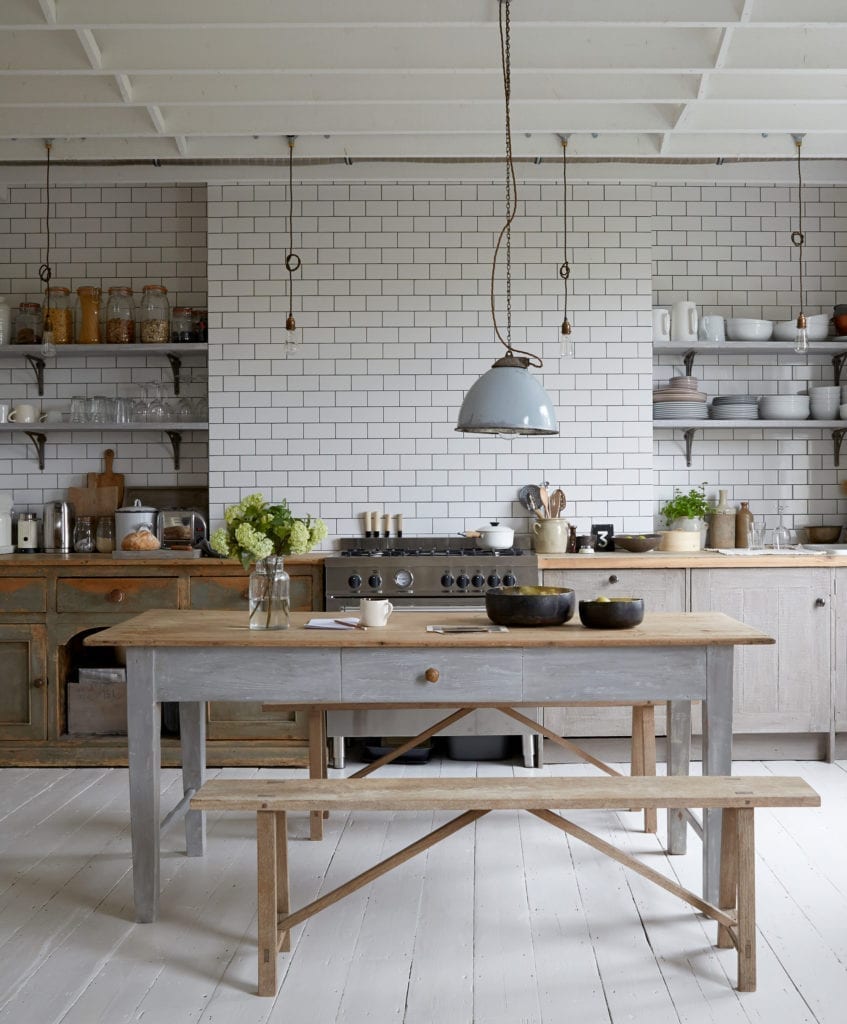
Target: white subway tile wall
<point x="394" y="302"/>
<point x="102" y="236"/>
<point x="728" y="249"/>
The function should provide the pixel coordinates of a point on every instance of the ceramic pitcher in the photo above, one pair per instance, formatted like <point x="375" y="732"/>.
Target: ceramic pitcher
<point x="661" y="324"/>
<point x="550" y="536"/>
<point x="684" y="321"/>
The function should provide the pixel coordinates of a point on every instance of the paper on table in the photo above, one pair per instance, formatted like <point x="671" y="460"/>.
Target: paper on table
<point x="467" y="629"/>
<point x="332" y="623"/>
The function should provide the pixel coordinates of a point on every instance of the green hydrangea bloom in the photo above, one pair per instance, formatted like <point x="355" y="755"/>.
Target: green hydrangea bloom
<point x="255" y="530"/>
<point x="220" y="541"/>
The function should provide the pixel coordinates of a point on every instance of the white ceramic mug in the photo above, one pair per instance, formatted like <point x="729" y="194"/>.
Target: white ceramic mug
<point x="661" y="324"/>
<point x="4" y="412"/>
<point x="375" y="612"/>
<point x="23" y="413"/>
<point x="684" y="321"/>
<point x="51" y="416"/>
<point x="712" y="328"/>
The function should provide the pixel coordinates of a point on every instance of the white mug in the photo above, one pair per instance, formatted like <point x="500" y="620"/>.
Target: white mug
<point x="51" y="416"/>
<point x="684" y="321"/>
<point x="23" y="414"/>
<point x="712" y="328"/>
<point x="4" y="412"/>
<point x="661" y="324"/>
<point x="375" y="612"/>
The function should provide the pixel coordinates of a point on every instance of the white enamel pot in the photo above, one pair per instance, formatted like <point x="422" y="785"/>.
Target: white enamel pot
<point x="496" y="536"/>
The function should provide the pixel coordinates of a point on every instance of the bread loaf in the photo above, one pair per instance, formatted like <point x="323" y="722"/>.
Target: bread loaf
<point x="140" y="540"/>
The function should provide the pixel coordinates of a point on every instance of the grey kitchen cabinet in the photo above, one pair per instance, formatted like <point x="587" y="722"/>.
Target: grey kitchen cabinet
<point x="839" y="659"/>
<point x="663" y="590"/>
<point x="786" y="687"/>
<point x="23" y="685"/>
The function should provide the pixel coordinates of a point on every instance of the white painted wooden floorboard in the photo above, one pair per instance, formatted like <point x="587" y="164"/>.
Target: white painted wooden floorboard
<point x="508" y="921"/>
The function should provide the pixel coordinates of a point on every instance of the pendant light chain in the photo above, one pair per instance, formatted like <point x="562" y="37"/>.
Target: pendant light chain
<point x="565" y="268"/>
<point x="292" y="260"/>
<point x="45" y="271"/>
<point x="797" y="237"/>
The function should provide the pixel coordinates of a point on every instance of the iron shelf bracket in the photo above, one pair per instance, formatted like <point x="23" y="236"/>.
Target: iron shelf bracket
<point x="176" y="443"/>
<point x="176" y="366"/>
<point x="689" y="444"/>
<point x="38" y="440"/>
<point x="837" y="438"/>
<point x="37" y="365"/>
<point x="838" y="365"/>
<point x="688" y="362"/>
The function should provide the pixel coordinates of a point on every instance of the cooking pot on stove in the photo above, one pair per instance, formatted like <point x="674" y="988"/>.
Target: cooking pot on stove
<point x="496" y="536"/>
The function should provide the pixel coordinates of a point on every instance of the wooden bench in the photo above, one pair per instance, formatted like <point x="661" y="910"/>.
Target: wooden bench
<point x="736" y="796"/>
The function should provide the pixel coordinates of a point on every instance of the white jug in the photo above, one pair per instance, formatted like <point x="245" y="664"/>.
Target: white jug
<point x="661" y="324"/>
<point x="684" y="321"/>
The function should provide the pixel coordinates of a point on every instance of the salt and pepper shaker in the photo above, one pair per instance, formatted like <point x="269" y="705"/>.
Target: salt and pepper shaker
<point x="399" y="520"/>
<point x="386" y="525"/>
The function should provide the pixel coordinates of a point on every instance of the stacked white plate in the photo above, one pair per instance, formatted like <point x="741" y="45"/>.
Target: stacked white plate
<point x="784" y="407"/>
<point x="735" y="407"/>
<point x="679" y="399"/>
<point x="680" y="411"/>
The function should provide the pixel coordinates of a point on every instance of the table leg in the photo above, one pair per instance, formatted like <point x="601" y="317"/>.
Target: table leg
<point x="678" y="761"/>
<point x="317" y="765"/>
<point x="717" y="756"/>
<point x="192" y="733"/>
<point x="144" y="718"/>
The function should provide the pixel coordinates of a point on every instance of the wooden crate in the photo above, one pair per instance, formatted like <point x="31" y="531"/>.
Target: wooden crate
<point x="97" y="703"/>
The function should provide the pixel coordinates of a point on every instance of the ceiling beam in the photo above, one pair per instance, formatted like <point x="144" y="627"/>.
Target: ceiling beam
<point x="48" y="9"/>
<point x="125" y="87"/>
<point x="157" y="119"/>
<point x="89" y="45"/>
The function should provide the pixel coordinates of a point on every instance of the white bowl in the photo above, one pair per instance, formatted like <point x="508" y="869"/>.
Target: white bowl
<point x="817" y="328"/>
<point x="746" y="329"/>
<point x="825" y="391"/>
<point x="842" y="412"/>
<point x="784" y="407"/>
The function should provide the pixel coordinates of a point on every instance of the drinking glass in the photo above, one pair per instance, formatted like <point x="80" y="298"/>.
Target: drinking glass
<point x="756" y="534"/>
<point x="158" y="410"/>
<point x="78" y="409"/>
<point x="124" y="410"/>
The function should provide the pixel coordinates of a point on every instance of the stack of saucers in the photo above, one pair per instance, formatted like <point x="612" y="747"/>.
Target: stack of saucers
<point x="735" y="407"/>
<point x="680" y="399"/>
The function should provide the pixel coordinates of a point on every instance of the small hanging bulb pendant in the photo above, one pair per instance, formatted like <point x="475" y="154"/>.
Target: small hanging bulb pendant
<point x="566" y="349"/>
<point x="801" y="339"/>
<point x="293" y="334"/>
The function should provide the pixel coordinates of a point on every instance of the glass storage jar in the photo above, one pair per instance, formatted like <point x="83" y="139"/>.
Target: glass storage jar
<point x="88" y="315"/>
<point x="104" y="537"/>
<point x="58" y="311"/>
<point x="154" y="315"/>
<point x="28" y="325"/>
<point x="201" y="325"/>
<point x="182" y="325"/>
<point x="84" y="542"/>
<point x="120" y="316"/>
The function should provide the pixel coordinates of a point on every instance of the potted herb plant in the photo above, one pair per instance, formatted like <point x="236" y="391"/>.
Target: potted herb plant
<point x="686" y="512"/>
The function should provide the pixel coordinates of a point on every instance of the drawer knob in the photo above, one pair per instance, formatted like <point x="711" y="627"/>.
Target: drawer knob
<point x="820" y="603"/>
<point x="38" y="684"/>
<point x="613" y="579"/>
<point x="116" y="596"/>
<point x="432" y="675"/>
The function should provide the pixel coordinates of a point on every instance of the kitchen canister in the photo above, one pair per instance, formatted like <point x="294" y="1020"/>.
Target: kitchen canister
<point x="550" y="536"/>
<point x="722" y="524"/>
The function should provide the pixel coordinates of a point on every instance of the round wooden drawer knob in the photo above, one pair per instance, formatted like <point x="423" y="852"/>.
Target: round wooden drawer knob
<point x="116" y="596"/>
<point x="613" y="579"/>
<point x="432" y="675"/>
<point x="38" y="684"/>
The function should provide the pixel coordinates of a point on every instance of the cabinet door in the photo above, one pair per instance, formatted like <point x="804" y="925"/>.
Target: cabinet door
<point x="23" y="682"/>
<point x="663" y="590"/>
<point x="839" y="668"/>
<point x="784" y="687"/>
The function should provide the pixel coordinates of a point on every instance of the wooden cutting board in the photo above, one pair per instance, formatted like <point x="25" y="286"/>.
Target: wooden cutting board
<point x="108" y="478"/>
<point x="93" y="501"/>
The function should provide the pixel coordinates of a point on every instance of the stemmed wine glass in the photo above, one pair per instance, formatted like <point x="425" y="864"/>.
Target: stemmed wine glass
<point x="781" y="533"/>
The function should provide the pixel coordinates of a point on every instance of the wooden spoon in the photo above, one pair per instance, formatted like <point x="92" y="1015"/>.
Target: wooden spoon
<point x="554" y="505"/>
<point x="558" y="496"/>
<point x="545" y="499"/>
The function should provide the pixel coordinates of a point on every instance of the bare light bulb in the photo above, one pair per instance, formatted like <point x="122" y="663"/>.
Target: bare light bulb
<point x="293" y="335"/>
<point x="566" y="350"/>
<point x="801" y="339"/>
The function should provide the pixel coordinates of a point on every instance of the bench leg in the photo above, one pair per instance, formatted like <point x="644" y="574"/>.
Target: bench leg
<point x="643" y="756"/>
<point x="266" y="846"/>
<point x="283" y="898"/>
<point x="728" y="888"/>
<point x="317" y="765"/>
<point x="746" y="901"/>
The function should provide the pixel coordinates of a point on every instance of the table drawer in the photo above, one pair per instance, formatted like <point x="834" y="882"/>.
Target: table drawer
<point x="118" y="594"/>
<point x="22" y="594"/>
<point x="430" y="675"/>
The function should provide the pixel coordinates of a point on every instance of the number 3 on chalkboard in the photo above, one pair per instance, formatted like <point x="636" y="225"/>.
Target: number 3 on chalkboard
<point x="604" y="536"/>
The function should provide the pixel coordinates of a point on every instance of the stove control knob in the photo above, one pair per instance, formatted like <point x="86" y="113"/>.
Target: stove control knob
<point x="463" y="581"/>
<point x="494" y="580"/>
<point x="375" y="581"/>
<point x="478" y="580"/>
<point x="447" y="580"/>
<point x="355" y="581"/>
<point x="509" y="580"/>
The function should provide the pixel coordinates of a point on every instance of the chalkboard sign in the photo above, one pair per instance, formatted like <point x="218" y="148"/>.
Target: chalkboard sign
<point x="604" y="536"/>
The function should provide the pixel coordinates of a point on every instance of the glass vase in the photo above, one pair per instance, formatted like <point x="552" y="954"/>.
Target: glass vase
<point x="269" y="595"/>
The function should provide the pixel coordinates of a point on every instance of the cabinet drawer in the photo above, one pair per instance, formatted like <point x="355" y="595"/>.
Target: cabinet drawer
<point x="385" y="675"/>
<point x="663" y="590"/>
<point x="229" y="593"/>
<point x="116" y="594"/>
<point x="22" y="594"/>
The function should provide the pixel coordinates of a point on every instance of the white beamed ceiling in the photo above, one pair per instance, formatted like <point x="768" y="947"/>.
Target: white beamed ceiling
<point x="206" y="79"/>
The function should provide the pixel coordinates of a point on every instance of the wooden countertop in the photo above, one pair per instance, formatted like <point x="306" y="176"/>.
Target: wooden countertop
<point x="168" y="628"/>
<point x="690" y="560"/>
<point x="203" y="565"/>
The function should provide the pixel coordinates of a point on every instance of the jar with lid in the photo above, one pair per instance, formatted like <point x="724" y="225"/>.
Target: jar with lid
<point x="154" y="315"/>
<point x="58" y="312"/>
<point x="84" y="542"/>
<point x="28" y="326"/>
<point x="182" y="325"/>
<point x="120" y="316"/>
<point x="104" y="537"/>
<point x="88" y="315"/>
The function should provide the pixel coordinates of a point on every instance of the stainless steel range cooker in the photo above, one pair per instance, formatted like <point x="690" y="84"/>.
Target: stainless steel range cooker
<point x="441" y="574"/>
<point x="423" y="572"/>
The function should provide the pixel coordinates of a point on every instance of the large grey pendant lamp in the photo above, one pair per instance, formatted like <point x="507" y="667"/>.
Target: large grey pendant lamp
<point x="507" y="399"/>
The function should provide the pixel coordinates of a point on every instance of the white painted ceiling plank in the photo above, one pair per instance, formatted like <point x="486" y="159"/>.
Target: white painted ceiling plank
<point x="48" y="9"/>
<point x="157" y="119"/>
<point x="125" y="87"/>
<point x="89" y="45"/>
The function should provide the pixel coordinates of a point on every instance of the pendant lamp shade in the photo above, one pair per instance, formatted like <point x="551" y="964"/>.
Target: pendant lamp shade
<point x="507" y="400"/>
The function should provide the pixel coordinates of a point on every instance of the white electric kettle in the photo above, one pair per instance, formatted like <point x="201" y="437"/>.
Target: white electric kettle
<point x="684" y="321"/>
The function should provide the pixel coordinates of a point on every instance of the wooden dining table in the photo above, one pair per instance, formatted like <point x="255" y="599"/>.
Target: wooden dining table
<point x="193" y="657"/>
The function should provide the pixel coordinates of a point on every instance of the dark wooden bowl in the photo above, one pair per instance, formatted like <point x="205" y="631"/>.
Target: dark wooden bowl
<point x="530" y="606"/>
<point x="637" y="541"/>
<point x="616" y="613"/>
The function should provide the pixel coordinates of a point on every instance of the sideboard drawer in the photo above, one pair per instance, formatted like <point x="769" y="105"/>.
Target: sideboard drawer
<point x="229" y="593"/>
<point x="22" y="594"/>
<point x="422" y="676"/>
<point x="116" y="594"/>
